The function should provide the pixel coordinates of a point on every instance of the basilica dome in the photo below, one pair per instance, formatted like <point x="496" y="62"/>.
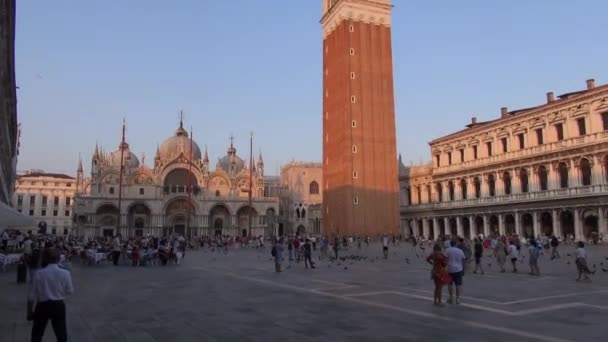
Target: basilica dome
<point x="129" y="158"/>
<point x="172" y="147"/>
<point x="231" y="159"/>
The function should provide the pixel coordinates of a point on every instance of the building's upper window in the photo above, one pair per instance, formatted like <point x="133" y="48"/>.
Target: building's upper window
<point x="19" y="200"/>
<point x="474" y="152"/>
<point x="505" y="145"/>
<point x="68" y="185"/>
<point x="56" y="201"/>
<point x="67" y="213"/>
<point x="31" y="212"/>
<point x="419" y="194"/>
<point x="55" y="212"/>
<point x="461" y="155"/>
<point x="111" y="190"/>
<point x="451" y="190"/>
<point x="489" y="148"/>
<point x="563" y="175"/>
<point x="477" y="184"/>
<point x="522" y="141"/>
<point x="429" y="196"/>
<point x="141" y="191"/>
<point x="43" y="212"/>
<point x="313" y="188"/>
<point x="539" y="136"/>
<point x="45" y="200"/>
<point x="449" y="158"/>
<point x="439" y="189"/>
<point x="605" y="121"/>
<point x="32" y="183"/>
<point x="543" y="178"/>
<point x="523" y="180"/>
<point x="506" y="178"/>
<point x="585" y="168"/>
<point x="68" y="201"/>
<point x="437" y="159"/>
<point x="582" y="129"/>
<point x="32" y="200"/>
<point x="559" y="131"/>
<point x="217" y="193"/>
<point x="491" y="185"/>
<point x="463" y="188"/>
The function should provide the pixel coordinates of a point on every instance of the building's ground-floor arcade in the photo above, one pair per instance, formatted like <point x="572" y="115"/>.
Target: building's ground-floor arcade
<point x="582" y="222"/>
<point x="177" y="217"/>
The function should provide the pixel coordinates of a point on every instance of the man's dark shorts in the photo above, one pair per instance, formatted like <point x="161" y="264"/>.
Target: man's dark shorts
<point x="456" y="278"/>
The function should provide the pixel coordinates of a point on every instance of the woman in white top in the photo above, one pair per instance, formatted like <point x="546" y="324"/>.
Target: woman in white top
<point x="581" y="262"/>
<point x="513" y="255"/>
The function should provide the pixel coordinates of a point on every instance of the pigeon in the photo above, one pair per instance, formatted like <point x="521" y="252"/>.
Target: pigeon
<point x="568" y="263"/>
<point x="604" y="270"/>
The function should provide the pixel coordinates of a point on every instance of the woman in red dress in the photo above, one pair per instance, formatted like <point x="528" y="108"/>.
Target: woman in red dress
<point x="439" y="274"/>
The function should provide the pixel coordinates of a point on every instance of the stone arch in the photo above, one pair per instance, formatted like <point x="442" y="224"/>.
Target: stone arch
<point x="590" y="221"/>
<point x="466" y="228"/>
<point x="546" y="223"/>
<point x="527" y="225"/>
<point x="494" y="226"/>
<point x="138" y="215"/>
<point x="219" y="183"/>
<point x="463" y="188"/>
<point x="506" y="179"/>
<point x="477" y="185"/>
<point x="453" y="227"/>
<point x="479" y="225"/>
<point x="106" y="217"/>
<point x="567" y="223"/>
<point x="219" y="219"/>
<point x="584" y="166"/>
<point x="524" y="180"/>
<point x="178" y="180"/>
<point x="243" y="215"/>
<point x="180" y="213"/>
<point x="562" y="171"/>
<point x="510" y="225"/>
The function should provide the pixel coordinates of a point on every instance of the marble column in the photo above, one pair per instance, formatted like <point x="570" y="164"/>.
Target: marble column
<point x="518" y="224"/>
<point x="536" y="224"/>
<point x="501" y="224"/>
<point x="557" y="223"/>
<point x="578" y="225"/>
<point x="459" y="229"/>
<point x="425" y="228"/>
<point x="472" y="227"/>
<point x="446" y="226"/>
<point x="486" y="225"/>
<point x="601" y="221"/>
<point x="435" y="228"/>
<point x="415" y="228"/>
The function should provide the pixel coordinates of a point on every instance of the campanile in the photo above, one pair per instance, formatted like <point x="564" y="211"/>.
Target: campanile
<point x="361" y="191"/>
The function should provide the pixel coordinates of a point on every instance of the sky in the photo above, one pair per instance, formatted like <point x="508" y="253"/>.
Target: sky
<point x="242" y="65"/>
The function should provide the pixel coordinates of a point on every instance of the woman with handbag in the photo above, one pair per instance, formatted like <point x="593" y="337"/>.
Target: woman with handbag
<point x="439" y="274"/>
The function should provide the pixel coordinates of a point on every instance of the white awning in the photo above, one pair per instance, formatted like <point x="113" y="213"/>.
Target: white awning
<point x="11" y="218"/>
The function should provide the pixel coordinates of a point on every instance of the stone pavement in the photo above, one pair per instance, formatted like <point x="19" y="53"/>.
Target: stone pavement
<point x="238" y="297"/>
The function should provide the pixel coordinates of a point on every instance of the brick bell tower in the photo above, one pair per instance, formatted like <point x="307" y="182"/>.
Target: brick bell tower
<point x="361" y="191"/>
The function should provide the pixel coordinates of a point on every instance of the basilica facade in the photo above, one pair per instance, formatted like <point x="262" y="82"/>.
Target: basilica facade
<point x="182" y="193"/>
<point x="533" y="172"/>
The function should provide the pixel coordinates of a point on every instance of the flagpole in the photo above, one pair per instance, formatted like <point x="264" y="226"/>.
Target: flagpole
<point x="122" y="166"/>
<point x="189" y="186"/>
<point x="250" y="181"/>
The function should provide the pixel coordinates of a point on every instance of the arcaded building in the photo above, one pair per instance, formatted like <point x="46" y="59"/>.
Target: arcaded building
<point x="360" y="179"/>
<point x="182" y="193"/>
<point x="535" y="171"/>
<point x="302" y="198"/>
<point x="47" y="199"/>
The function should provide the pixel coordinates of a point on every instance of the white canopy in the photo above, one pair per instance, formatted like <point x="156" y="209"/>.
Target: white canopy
<point x="11" y="218"/>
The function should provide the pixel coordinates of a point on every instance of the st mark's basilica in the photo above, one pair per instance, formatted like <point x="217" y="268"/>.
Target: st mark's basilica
<point x="155" y="200"/>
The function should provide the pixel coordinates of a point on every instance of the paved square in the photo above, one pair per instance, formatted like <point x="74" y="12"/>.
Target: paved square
<point x="238" y="297"/>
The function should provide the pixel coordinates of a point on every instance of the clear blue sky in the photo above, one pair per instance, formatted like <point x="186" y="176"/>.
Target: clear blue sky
<point x="241" y="65"/>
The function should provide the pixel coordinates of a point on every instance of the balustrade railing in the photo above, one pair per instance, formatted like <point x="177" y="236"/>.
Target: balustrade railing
<point x="598" y="189"/>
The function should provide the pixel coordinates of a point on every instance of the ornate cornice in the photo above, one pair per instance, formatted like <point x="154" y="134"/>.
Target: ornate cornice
<point x="377" y="12"/>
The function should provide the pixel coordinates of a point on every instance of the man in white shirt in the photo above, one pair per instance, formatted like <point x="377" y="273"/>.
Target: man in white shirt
<point x="456" y="259"/>
<point x="385" y="246"/>
<point x="49" y="288"/>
